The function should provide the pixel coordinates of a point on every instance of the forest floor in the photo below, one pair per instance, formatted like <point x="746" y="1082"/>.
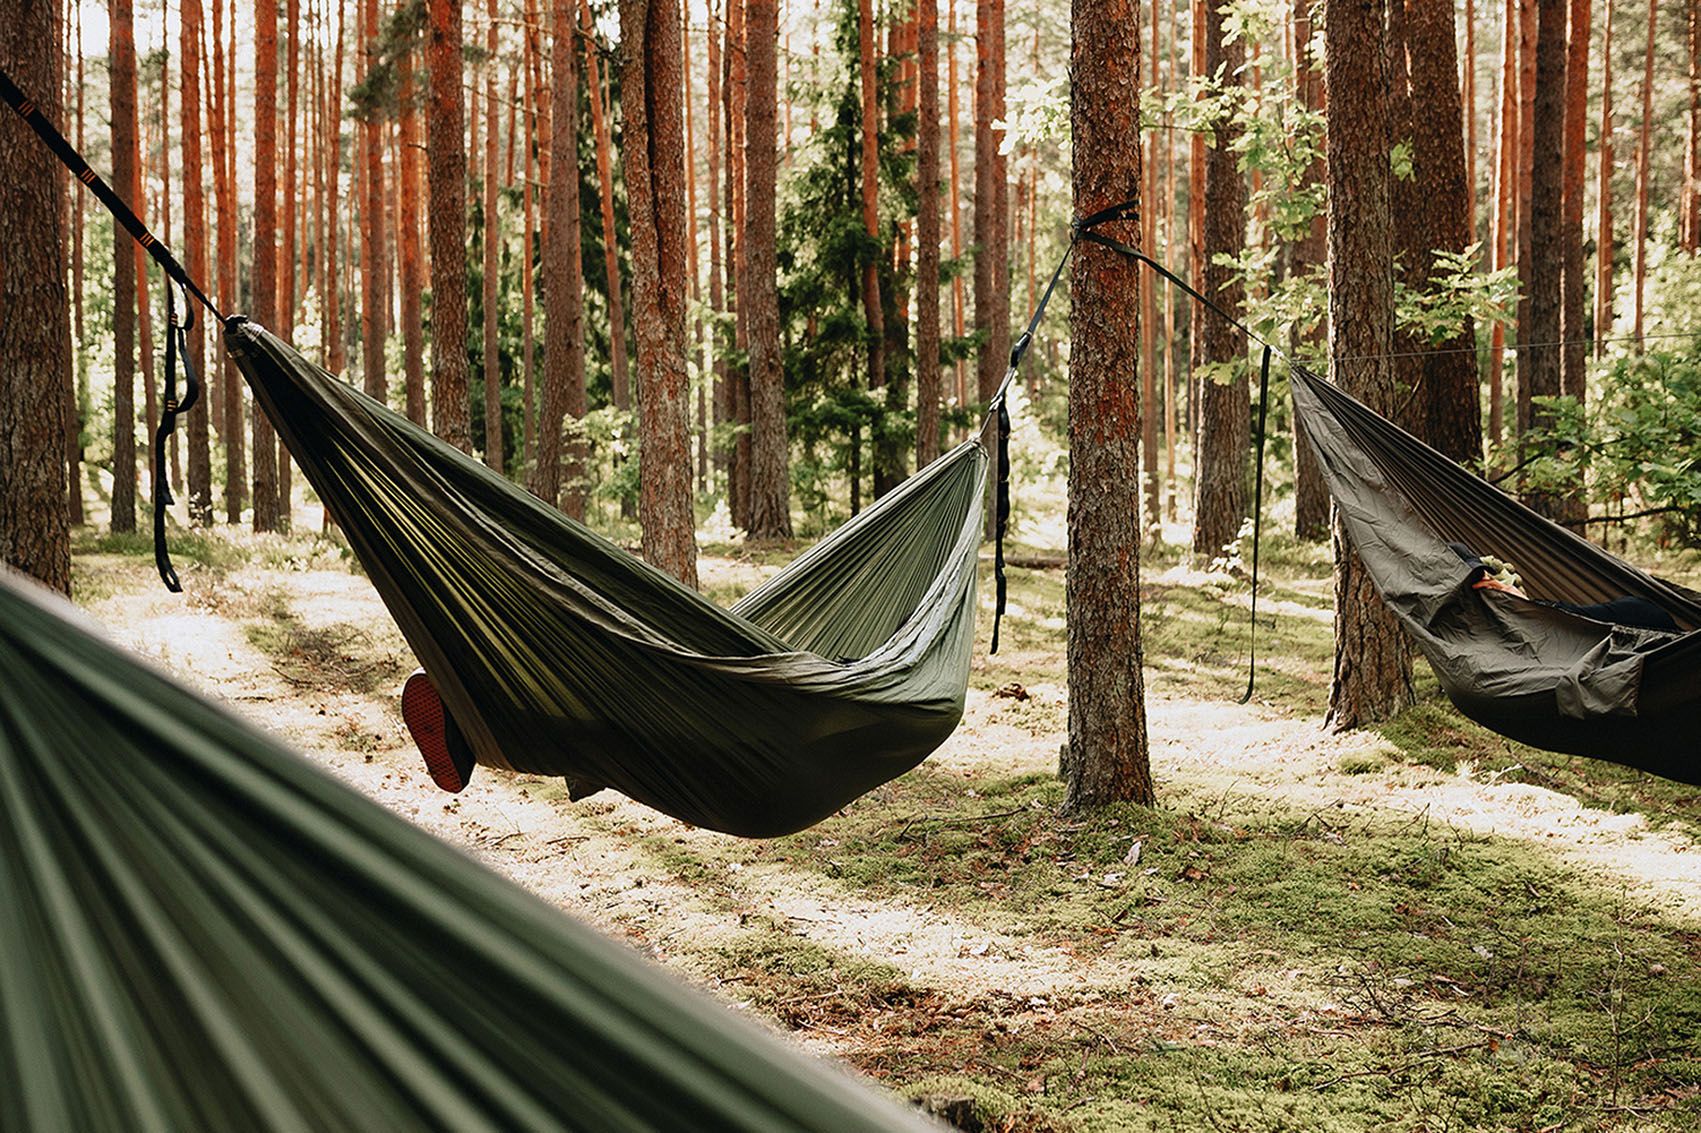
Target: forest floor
<point x="1422" y="928"/>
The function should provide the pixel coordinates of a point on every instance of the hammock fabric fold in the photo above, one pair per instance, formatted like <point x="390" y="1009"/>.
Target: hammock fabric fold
<point x="558" y="653"/>
<point x="200" y="930"/>
<point x="1546" y="676"/>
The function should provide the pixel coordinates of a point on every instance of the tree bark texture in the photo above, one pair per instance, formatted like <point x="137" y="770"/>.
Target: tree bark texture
<point x="35" y="311"/>
<point x="1603" y="198"/>
<point x="1372" y="661"/>
<point x="492" y="257"/>
<point x="654" y="163"/>
<point x="1448" y="392"/>
<point x="1220" y="496"/>
<point x="1538" y="361"/>
<point x="622" y="388"/>
<point x="125" y="175"/>
<point x="195" y="259"/>
<point x="1572" y="307"/>
<point x="991" y="224"/>
<point x="928" y="234"/>
<point x="1107" y="753"/>
<point x="264" y="284"/>
<point x="446" y="156"/>
<point x="222" y="136"/>
<point x="563" y="284"/>
<point x="770" y="472"/>
<point x="1639" y="234"/>
<point x="413" y="271"/>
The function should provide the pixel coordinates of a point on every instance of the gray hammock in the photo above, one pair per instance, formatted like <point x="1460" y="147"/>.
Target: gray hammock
<point x="201" y="930"/>
<point x="1553" y="670"/>
<point x="558" y="653"/>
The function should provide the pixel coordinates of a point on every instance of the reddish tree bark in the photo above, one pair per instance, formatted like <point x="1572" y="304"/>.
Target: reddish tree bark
<point x="927" y="355"/>
<point x="870" y="181"/>
<point x="1107" y="758"/>
<point x="1372" y="662"/>
<point x="770" y="473"/>
<point x="1603" y="198"/>
<point x="991" y="223"/>
<point x="1572" y="329"/>
<point x="413" y="271"/>
<point x="195" y="257"/>
<point x="1448" y="391"/>
<point x="563" y="283"/>
<point x="265" y="278"/>
<point x="35" y="330"/>
<point x="1220" y="497"/>
<point x="221" y="137"/>
<point x="125" y="175"/>
<point x="654" y="163"/>
<point x="446" y="155"/>
<point x="1639" y="235"/>
<point x="492" y="355"/>
<point x="601" y="131"/>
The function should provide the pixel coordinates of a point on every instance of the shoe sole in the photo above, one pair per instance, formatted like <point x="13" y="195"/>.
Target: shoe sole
<point x="427" y="721"/>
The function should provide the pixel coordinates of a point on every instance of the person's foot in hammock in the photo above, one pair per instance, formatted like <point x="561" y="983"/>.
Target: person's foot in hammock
<point x="448" y="757"/>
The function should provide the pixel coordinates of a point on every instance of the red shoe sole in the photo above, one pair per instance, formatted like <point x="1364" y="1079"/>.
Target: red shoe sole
<point x="422" y="711"/>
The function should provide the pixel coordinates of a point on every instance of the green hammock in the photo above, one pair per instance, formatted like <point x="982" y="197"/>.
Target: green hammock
<point x="558" y="653"/>
<point x="200" y="930"/>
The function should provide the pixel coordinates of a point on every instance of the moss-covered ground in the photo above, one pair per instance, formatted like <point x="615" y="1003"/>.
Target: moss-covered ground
<point x="1294" y="938"/>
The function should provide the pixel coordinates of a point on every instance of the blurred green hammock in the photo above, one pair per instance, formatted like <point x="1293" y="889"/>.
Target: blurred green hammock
<point x="201" y="930"/>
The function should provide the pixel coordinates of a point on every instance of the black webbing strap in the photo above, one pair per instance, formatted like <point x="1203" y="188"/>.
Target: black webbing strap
<point x="1263" y="409"/>
<point x="176" y="347"/>
<point x="999" y="410"/>
<point x="30" y="112"/>
<point x="1257" y="521"/>
<point x="177" y="332"/>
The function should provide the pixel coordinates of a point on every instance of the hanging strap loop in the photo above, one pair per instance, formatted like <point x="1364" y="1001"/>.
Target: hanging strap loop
<point x="176" y="348"/>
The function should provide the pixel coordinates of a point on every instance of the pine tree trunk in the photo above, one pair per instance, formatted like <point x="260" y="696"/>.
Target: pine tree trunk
<point x="413" y="274"/>
<point x="927" y="358"/>
<point x="1220" y="499"/>
<point x="80" y="388"/>
<point x="770" y="473"/>
<point x="1107" y="757"/>
<point x="701" y="428"/>
<point x="870" y="182"/>
<point x="1572" y="327"/>
<point x="1504" y="220"/>
<point x="1539" y="367"/>
<point x="335" y="361"/>
<point x="528" y="296"/>
<point x="563" y="283"/>
<point x="1468" y="96"/>
<point x="654" y="164"/>
<point x="953" y="96"/>
<point x="35" y="330"/>
<point x="446" y="155"/>
<point x="1528" y="34"/>
<point x="738" y="374"/>
<point x="223" y="137"/>
<point x="265" y="278"/>
<point x="1603" y="198"/>
<point x="1639" y="234"/>
<point x="492" y="356"/>
<point x="1372" y="662"/>
<point x="991" y="229"/>
<point x="373" y="378"/>
<point x="122" y="66"/>
<point x="717" y="289"/>
<point x="610" y="238"/>
<point x="1311" y="495"/>
<point x="195" y="259"/>
<point x="1448" y="390"/>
